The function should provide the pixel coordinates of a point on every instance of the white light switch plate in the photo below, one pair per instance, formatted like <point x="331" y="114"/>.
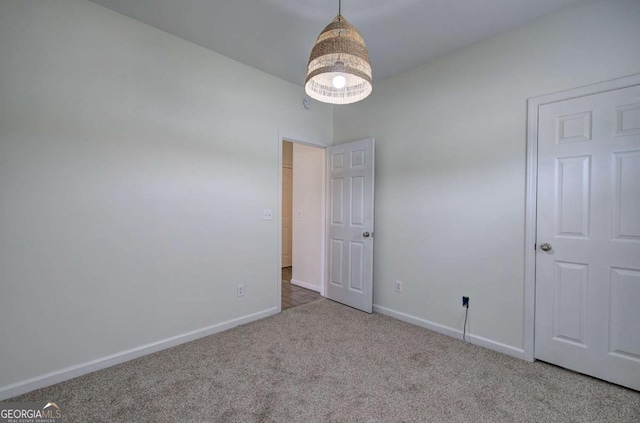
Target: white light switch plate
<point x="267" y="214"/>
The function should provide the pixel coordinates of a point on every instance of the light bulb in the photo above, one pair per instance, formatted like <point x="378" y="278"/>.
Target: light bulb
<point x="339" y="81"/>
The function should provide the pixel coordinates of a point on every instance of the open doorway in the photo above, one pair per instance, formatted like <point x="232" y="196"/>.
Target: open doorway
<point x="303" y="220"/>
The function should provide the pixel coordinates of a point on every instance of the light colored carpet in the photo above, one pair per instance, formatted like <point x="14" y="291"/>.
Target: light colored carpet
<point x="324" y="362"/>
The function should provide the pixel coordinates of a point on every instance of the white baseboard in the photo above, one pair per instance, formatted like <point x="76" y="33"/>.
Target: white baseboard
<point x="58" y="376"/>
<point x="454" y="333"/>
<point x="305" y="285"/>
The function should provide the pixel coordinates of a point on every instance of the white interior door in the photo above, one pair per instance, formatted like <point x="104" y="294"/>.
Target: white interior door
<point x="350" y="182"/>
<point x="587" y="312"/>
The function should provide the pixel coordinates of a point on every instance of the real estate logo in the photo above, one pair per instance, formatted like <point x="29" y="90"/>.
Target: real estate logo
<point x="30" y="412"/>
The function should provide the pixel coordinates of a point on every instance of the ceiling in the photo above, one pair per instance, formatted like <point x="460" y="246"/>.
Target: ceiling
<point x="276" y="36"/>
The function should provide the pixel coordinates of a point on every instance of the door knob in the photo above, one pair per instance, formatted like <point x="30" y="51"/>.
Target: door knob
<point x="366" y="234"/>
<point x="545" y="247"/>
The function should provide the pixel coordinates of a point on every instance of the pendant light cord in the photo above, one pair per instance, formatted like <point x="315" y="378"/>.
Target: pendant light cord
<point x="339" y="7"/>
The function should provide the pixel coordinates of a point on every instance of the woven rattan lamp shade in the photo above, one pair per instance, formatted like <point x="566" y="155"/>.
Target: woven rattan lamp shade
<point x="339" y="70"/>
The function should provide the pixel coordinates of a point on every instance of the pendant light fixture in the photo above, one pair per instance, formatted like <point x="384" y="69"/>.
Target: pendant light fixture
<point x="339" y="70"/>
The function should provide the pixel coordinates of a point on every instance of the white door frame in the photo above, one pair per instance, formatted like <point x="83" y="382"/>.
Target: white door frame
<point x="278" y="216"/>
<point x="533" y="105"/>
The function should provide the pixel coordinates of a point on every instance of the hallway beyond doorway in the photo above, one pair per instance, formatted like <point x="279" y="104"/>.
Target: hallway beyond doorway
<point x="292" y="295"/>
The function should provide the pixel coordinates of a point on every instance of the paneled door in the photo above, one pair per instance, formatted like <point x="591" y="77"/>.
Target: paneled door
<point x="350" y="174"/>
<point x="587" y="312"/>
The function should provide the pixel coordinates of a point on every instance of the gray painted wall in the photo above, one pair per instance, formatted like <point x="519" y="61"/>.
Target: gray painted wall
<point x="134" y="170"/>
<point x="450" y="162"/>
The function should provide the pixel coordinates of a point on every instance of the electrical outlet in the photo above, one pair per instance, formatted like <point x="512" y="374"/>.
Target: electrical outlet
<point x="398" y="286"/>
<point x="241" y="290"/>
<point x="267" y="214"/>
<point x="465" y="302"/>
